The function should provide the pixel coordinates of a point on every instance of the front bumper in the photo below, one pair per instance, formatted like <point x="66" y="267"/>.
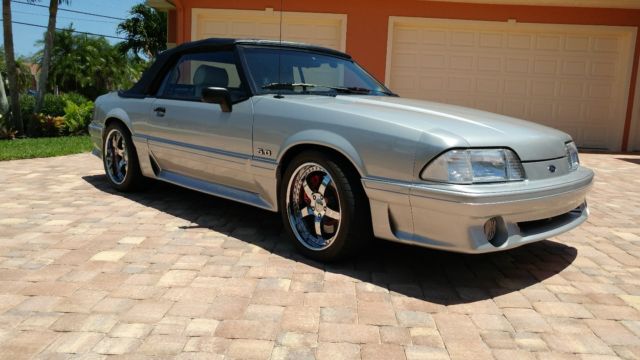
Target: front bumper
<point x="452" y="217"/>
<point x="95" y="131"/>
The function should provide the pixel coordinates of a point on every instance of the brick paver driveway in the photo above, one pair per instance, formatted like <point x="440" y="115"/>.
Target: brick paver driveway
<point x="168" y="272"/>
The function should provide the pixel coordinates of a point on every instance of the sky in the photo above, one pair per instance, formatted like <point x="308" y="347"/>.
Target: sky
<point x="24" y="37"/>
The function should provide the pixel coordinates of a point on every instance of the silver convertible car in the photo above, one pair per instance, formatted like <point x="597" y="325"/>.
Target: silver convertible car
<point x="306" y="131"/>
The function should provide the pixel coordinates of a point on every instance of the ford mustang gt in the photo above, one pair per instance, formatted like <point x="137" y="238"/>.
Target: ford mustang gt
<point x="305" y="131"/>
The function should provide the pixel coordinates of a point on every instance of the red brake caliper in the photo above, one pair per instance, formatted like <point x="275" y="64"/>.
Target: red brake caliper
<point x="314" y="183"/>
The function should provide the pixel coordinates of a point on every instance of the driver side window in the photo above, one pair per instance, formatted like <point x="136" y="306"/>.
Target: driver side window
<point x="195" y="72"/>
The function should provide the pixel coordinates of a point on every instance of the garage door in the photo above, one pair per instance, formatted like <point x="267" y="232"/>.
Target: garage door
<point x="327" y="30"/>
<point x="573" y="78"/>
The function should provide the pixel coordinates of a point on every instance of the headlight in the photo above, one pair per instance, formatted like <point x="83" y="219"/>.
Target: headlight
<point x="475" y="166"/>
<point x="572" y="155"/>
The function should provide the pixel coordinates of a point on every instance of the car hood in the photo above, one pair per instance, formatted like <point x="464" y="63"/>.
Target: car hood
<point x="475" y="127"/>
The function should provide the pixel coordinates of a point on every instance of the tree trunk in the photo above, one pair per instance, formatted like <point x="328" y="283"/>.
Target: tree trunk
<point x="12" y="71"/>
<point x="46" y="58"/>
<point x="4" y="104"/>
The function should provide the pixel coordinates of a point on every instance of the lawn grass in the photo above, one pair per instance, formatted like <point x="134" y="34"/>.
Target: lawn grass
<point x="43" y="147"/>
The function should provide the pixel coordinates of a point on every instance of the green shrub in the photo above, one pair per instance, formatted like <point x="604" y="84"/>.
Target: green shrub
<point x="27" y="106"/>
<point x="53" y="105"/>
<point x="46" y="125"/>
<point x="77" y="117"/>
<point x="75" y="98"/>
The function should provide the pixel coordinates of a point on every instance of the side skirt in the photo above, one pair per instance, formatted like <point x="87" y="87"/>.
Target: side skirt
<point x="222" y="191"/>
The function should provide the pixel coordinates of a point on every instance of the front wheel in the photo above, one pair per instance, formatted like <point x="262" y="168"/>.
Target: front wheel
<point x="324" y="210"/>
<point x="120" y="159"/>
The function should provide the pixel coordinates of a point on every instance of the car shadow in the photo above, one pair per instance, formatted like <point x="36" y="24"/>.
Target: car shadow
<point x="435" y="276"/>
<point x="631" y="160"/>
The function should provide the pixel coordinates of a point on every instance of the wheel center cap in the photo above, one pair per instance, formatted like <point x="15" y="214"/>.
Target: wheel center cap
<point x="318" y="203"/>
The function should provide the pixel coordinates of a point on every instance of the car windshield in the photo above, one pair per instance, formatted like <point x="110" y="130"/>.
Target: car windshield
<point x="305" y="72"/>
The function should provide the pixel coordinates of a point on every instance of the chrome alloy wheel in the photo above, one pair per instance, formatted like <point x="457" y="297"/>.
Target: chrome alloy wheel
<point x="313" y="206"/>
<point x="116" y="157"/>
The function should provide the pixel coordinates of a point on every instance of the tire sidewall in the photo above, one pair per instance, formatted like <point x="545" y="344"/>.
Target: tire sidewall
<point x="129" y="177"/>
<point x="336" y="250"/>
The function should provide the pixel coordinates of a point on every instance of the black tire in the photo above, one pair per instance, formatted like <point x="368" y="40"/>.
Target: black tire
<point x="133" y="179"/>
<point x="354" y="225"/>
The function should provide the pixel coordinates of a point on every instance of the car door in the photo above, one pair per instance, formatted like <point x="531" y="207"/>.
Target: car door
<point x="197" y="139"/>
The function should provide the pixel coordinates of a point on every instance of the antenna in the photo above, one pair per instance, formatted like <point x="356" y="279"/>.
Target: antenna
<point x="279" y="94"/>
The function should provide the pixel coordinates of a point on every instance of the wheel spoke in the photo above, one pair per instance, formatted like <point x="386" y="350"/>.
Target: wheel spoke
<point x="332" y="214"/>
<point x="307" y="189"/>
<point x="318" y="226"/>
<point x="307" y="206"/>
<point x="307" y="211"/>
<point x="323" y="186"/>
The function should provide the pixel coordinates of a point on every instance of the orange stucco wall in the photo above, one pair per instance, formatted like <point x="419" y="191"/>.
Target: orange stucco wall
<point x="367" y="22"/>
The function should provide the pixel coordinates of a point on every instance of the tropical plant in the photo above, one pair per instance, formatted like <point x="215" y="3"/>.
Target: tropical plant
<point x="23" y="74"/>
<point x="6" y="131"/>
<point x="46" y="125"/>
<point x="53" y="106"/>
<point x="10" y="59"/>
<point x="49" y="37"/>
<point x="145" y="32"/>
<point x="77" y="117"/>
<point x="88" y="65"/>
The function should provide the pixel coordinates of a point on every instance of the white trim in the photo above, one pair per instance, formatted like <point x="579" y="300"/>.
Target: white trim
<point x="341" y="18"/>
<point x="634" y="131"/>
<point x="387" y="68"/>
<point x="161" y="5"/>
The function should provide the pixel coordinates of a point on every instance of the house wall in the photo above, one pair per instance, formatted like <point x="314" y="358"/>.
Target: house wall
<point x="368" y="23"/>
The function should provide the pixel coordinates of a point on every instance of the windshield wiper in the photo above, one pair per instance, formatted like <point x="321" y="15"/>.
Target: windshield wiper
<point x="292" y="86"/>
<point x="305" y="86"/>
<point x="361" y="90"/>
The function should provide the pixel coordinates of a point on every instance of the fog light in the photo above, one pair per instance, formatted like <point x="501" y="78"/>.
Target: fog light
<point x="490" y="228"/>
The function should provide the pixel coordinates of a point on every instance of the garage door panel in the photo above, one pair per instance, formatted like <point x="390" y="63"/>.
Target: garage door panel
<point x="566" y="76"/>
<point x="491" y="40"/>
<point x="606" y="44"/>
<point x="545" y="66"/>
<point x="320" y="29"/>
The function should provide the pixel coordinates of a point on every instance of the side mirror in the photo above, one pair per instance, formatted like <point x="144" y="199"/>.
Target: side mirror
<point x="215" y="95"/>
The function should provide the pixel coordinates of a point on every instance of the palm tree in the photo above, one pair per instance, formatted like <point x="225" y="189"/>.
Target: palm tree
<point x="48" y="45"/>
<point x="145" y="32"/>
<point x="88" y="64"/>
<point x="12" y="71"/>
<point x="4" y="104"/>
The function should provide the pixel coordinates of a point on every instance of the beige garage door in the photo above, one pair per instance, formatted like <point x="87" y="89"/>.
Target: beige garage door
<point x="327" y="30"/>
<point x="573" y="78"/>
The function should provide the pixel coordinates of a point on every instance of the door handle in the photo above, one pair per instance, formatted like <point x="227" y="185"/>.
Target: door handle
<point x="160" y="111"/>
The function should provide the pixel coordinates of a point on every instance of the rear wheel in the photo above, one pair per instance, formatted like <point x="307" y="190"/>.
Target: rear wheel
<point x="323" y="209"/>
<point x="120" y="159"/>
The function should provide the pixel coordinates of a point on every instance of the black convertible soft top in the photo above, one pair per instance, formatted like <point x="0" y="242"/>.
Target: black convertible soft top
<point x="148" y="80"/>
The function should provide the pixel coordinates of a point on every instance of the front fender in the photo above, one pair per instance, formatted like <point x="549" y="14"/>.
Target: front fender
<point x="327" y="139"/>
